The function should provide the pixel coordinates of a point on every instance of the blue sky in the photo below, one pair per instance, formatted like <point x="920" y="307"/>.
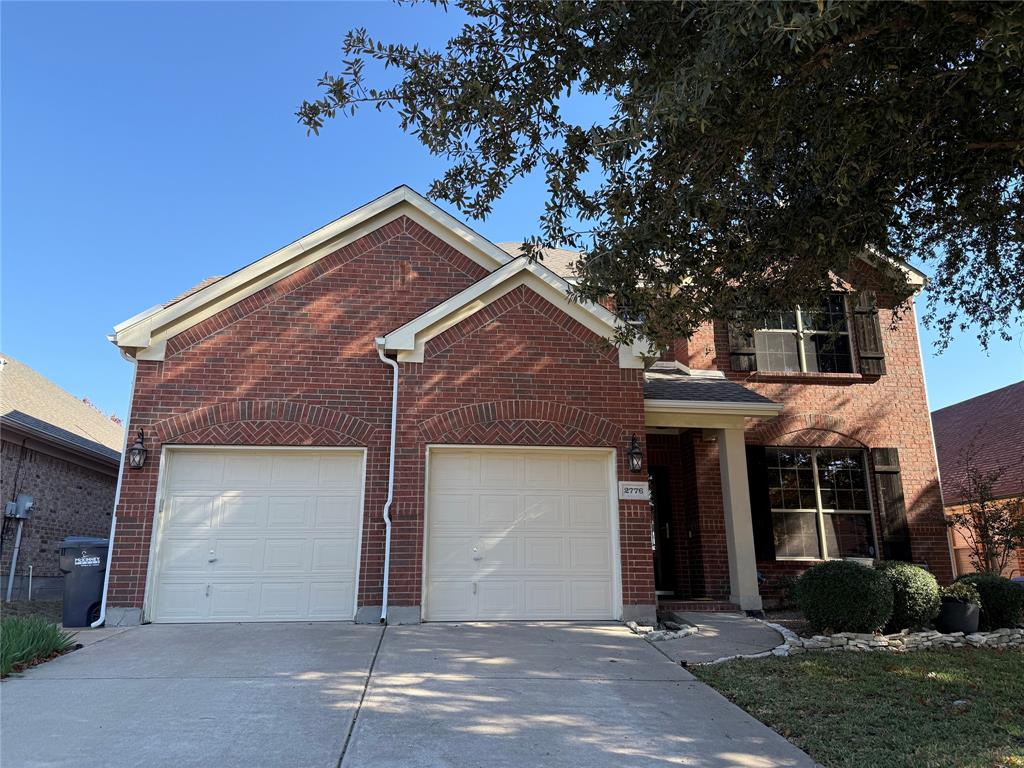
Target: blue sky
<point x="146" y="146"/>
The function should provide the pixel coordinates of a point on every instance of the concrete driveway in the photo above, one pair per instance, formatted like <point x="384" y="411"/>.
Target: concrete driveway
<point x="438" y="695"/>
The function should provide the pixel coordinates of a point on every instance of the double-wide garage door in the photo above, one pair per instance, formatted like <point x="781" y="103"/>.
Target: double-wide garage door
<point x="258" y="535"/>
<point x="520" y="534"/>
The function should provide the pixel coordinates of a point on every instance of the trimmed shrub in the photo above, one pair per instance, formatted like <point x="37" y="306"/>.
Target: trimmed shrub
<point x="915" y="596"/>
<point x="843" y="596"/>
<point x="1002" y="601"/>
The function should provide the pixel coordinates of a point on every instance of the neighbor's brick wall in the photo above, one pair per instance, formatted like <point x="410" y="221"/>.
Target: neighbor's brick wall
<point x="851" y="410"/>
<point x="70" y="500"/>
<point x="296" y="365"/>
<point x="962" y="550"/>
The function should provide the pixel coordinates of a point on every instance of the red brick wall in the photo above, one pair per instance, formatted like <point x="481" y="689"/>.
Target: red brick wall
<point x="296" y="365"/>
<point x="846" y="409"/>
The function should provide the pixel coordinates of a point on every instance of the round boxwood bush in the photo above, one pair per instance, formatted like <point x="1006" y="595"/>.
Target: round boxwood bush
<point x="915" y="596"/>
<point x="1002" y="601"/>
<point x="843" y="596"/>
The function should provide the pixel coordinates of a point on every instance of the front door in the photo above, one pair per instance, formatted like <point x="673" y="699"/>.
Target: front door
<point x="661" y="540"/>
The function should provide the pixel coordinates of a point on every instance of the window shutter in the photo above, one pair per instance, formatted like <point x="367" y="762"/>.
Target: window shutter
<point x="892" y="509"/>
<point x="742" y="356"/>
<point x="760" y="504"/>
<point x="868" y="331"/>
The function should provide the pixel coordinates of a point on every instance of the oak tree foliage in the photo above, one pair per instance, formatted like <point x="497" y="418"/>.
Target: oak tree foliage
<point x="749" y="150"/>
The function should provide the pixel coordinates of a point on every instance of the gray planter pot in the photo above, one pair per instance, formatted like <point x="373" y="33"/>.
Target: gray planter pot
<point x="955" y="616"/>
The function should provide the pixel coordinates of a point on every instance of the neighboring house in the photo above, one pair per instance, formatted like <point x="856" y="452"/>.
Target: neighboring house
<point x="266" y="398"/>
<point x="988" y="429"/>
<point x="64" y="454"/>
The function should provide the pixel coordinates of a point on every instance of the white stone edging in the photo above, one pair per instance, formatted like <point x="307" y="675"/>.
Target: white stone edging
<point x="652" y="635"/>
<point x="900" y="642"/>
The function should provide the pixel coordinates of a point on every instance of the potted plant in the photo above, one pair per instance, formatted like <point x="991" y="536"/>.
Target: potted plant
<point x="961" y="608"/>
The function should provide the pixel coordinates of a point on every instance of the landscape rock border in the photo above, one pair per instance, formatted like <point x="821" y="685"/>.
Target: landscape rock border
<point x="654" y="635"/>
<point x="900" y="642"/>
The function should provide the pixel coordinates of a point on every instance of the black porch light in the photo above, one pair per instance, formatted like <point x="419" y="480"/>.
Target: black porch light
<point x="137" y="453"/>
<point x="636" y="456"/>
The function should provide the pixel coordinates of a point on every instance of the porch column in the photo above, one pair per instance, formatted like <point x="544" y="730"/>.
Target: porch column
<point x="739" y="530"/>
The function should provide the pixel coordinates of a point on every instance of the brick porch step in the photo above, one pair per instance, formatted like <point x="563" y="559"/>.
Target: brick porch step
<point x="698" y="605"/>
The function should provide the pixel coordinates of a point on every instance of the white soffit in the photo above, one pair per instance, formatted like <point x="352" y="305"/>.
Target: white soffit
<point x="409" y="341"/>
<point x="145" y="330"/>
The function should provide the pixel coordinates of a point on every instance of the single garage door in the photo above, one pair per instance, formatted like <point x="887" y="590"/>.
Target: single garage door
<point x="520" y="534"/>
<point x="258" y="535"/>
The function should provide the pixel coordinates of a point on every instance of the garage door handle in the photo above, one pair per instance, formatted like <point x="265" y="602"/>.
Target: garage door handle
<point x="212" y="560"/>
<point x="478" y="557"/>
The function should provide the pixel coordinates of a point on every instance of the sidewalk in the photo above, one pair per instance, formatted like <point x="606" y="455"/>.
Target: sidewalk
<point x="720" y="635"/>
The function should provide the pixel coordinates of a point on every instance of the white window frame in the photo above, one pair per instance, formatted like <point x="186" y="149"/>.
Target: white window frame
<point x="801" y="336"/>
<point x="819" y="511"/>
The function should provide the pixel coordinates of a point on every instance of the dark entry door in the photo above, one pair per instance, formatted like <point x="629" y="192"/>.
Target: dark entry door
<point x="661" y="541"/>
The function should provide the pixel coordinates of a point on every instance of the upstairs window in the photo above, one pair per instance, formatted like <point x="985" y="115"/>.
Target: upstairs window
<point x="805" y="340"/>
<point x="819" y="503"/>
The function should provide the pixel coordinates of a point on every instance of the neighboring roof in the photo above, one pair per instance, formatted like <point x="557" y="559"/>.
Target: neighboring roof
<point x="994" y="423"/>
<point x="145" y="334"/>
<point x="409" y="340"/>
<point x="559" y="260"/>
<point x="663" y="383"/>
<point x="34" y="403"/>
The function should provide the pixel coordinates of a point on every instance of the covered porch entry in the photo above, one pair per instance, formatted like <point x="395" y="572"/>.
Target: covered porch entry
<point x="702" y="537"/>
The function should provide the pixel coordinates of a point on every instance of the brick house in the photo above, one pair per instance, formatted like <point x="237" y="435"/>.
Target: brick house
<point x="524" y="441"/>
<point x="990" y="430"/>
<point x="64" y="454"/>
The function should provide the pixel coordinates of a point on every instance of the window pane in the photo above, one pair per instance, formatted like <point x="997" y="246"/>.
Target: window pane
<point x="776" y="351"/>
<point x="828" y="353"/>
<point x="796" y="534"/>
<point x="830" y="317"/>
<point x="842" y="478"/>
<point x="849" y="535"/>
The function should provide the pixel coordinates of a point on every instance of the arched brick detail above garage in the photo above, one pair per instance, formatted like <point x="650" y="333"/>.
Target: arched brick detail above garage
<point x="520" y="422"/>
<point x="808" y="429"/>
<point x="264" y="422"/>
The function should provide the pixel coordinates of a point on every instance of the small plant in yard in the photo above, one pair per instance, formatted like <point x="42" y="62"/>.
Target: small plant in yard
<point x="916" y="599"/>
<point x="1002" y="601"/>
<point x="25" y="640"/>
<point x="843" y="596"/>
<point x="962" y="592"/>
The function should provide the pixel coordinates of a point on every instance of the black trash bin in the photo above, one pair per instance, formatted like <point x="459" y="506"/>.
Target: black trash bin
<point x="83" y="561"/>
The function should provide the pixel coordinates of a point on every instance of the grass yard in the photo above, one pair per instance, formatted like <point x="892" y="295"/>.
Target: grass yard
<point x="929" y="709"/>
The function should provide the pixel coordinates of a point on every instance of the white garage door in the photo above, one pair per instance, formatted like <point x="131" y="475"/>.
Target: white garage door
<point x="520" y="534"/>
<point x="253" y="535"/>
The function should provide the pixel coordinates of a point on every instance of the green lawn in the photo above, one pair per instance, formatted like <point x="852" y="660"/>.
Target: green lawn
<point x="961" y="708"/>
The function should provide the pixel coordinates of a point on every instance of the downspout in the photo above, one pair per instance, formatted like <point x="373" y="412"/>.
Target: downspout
<point x="117" y="493"/>
<point x="391" y="477"/>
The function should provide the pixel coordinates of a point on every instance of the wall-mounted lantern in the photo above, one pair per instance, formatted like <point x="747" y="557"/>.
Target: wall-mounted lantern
<point x="636" y="456"/>
<point x="137" y="453"/>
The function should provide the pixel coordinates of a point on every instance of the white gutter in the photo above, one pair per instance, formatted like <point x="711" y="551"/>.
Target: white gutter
<point x="391" y="477"/>
<point x="718" y="408"/>
<point x="117" y="494"/>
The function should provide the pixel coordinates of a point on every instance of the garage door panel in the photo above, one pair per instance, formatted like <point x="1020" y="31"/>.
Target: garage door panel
<point x="456" y="510"/>
<point x="233" y="601"/>
<point x="528" y="536"/>
<point x="242" y="511"/>
<point x="248" y="471"/>
<point x="190" y="512"/>
<point x="237" y="556"/>
<point x="271" y="536"/>
<point x="337" y="512"/>
<point x="544" y="511"/>
<point x="290" y="512"/>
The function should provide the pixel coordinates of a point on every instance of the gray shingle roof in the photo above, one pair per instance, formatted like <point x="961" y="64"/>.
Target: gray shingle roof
<point x="558" y="260"/>
<point x="665" y="385"/>
<point x="32" y="401"/>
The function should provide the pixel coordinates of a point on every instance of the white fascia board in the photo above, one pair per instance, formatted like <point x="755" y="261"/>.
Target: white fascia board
<point x="138" y="331"/>
<point x="914" y="276"/>
<point x="409" y="341"/>
<point x="730" y="408"/>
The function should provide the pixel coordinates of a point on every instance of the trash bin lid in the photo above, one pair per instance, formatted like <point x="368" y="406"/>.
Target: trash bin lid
<point x="85" y="541"/>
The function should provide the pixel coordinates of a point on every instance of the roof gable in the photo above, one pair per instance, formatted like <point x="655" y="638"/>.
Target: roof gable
<point x="409" y="341"/>
<point x="145" y="335"/>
